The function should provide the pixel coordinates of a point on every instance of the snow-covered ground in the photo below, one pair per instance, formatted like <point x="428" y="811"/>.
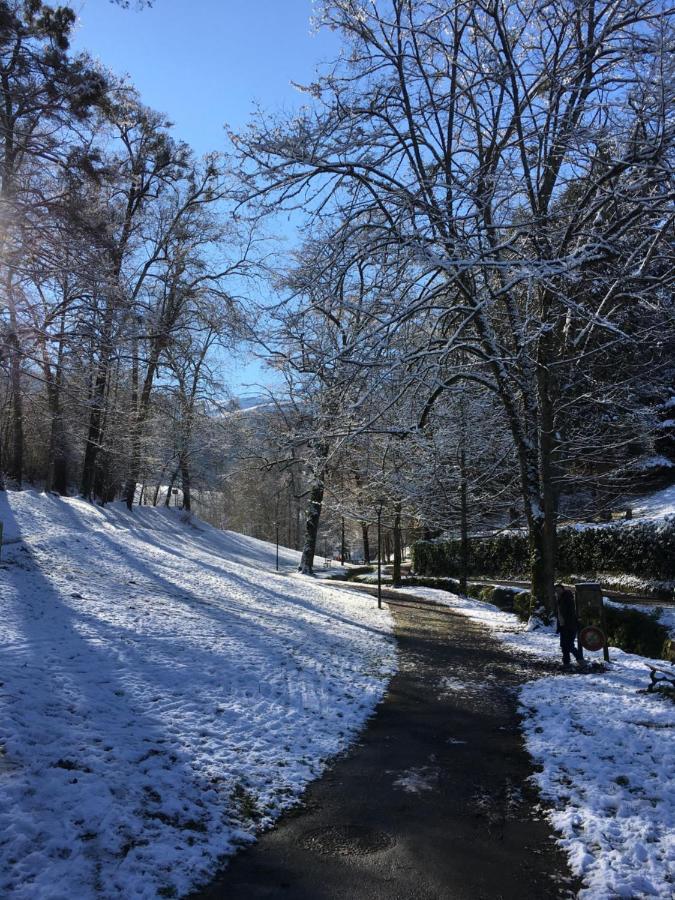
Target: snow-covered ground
<point x="607" y="766"/>
<point x="163" y="695"/>
<point x="657" y="505"/>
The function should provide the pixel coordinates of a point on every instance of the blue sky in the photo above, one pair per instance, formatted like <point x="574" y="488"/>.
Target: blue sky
<point x="208" y="62"/>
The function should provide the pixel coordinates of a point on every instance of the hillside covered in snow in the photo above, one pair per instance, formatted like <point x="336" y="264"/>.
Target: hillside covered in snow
<point x="164" y="694"/>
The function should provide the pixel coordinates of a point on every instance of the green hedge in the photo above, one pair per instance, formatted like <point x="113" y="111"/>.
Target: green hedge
<point x="645" y="549"/>
<point x="632" y="630"/>
<point x="508" y="599"/>
<point x="354" y="573"/>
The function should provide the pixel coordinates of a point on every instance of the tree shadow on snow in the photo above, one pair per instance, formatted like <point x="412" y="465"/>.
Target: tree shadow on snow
<point x="86" y="750"/>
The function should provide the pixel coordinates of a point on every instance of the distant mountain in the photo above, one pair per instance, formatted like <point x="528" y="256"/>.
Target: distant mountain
<point x="248" y="401"/>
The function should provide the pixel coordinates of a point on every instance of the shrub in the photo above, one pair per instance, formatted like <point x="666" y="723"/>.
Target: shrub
<point x="522" y="605"/>
<point x="356" y="571"/>
<point x="636" y="632"/>
<point x="503" y="598"/>
<point x="645" y="548"/>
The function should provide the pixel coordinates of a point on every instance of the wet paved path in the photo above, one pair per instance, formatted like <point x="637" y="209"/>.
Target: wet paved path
<point x="432" y="802"/>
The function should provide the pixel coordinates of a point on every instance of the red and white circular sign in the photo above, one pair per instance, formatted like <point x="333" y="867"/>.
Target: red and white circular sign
<point x="592" y="638"/>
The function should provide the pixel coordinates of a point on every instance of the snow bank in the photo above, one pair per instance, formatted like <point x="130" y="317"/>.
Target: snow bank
<point x="163" y="695"/>
<point x="606" y="757"/>
<point x="604" y="750"/>
<point x="657" y="505"/>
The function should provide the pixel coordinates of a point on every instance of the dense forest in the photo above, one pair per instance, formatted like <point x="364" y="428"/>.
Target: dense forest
<point x="475" y="329"/>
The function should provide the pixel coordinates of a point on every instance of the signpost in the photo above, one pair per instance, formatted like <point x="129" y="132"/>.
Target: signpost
<point x="590" y="606"/>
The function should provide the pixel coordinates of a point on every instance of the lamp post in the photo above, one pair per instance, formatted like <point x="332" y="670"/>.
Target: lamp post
<point x="276" y="528"/>
<point x="342" y="544"/>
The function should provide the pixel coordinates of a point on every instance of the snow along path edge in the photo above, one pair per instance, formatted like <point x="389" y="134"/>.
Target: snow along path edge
<point x="604" y="752"/>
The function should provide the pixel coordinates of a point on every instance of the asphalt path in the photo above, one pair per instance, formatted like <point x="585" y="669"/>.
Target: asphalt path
<point x="433" y="801"/>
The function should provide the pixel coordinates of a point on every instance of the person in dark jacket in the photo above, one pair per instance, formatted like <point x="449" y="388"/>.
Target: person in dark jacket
<point x="568" y="625"/>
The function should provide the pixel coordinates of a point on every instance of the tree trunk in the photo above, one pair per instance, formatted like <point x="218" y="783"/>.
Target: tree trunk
<point x="342" y="541"/>
<point x="314" y="513"/>
<point x="463" y="500"/>
<point x="15" y="469"/>
<point x="172" y="481"/>
<point x="312" y="528"/>
<point x="57" y="476"/>
<point x="547" y="446"/>
<point x="57" y="463"/>
<point x="540" y="573"/>
<point x="185" y="481"/>
<point x="526" y="431"/>
<point x="289" y="515"/>
<point x="387" y="546"/>
<point x="397" y="545"/>
<point x="135" y="461"/>
<point x="463" y="524"/>
<point x="158" y="486"/>
<point x="141" y="407"/>
<point x="134" y="469"/>
<point x="95" y="433"/>
<point x="366" y="542"/>
<point x="90" y="454"/>
<point x="15" y="462"/>
<point x="527" y="441"/>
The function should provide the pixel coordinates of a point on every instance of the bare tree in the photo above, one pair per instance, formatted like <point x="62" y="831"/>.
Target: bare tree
<point x="512" y="152"/>
<point x="44" y="94"/>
